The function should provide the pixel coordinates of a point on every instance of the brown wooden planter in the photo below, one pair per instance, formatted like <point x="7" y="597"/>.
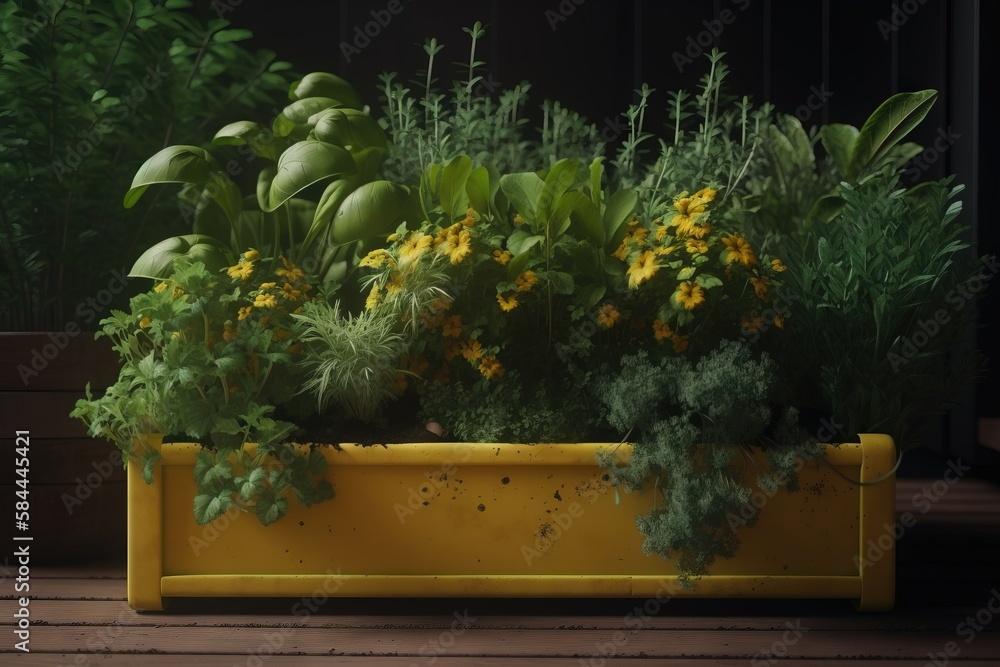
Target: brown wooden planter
<point x="77" y="491"/>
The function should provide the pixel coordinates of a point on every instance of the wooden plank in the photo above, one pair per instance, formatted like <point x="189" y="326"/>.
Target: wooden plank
<point x="56" y="360"/>
<point x="104" y="613"/>
<point x="72" y="589"/>
<point x="525" y="643"/>
<point x="64" y="659"/>
<point x="44" y="413"/>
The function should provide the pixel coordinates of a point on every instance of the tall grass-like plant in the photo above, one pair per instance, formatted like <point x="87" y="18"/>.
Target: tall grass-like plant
<point x="351" y="360"/>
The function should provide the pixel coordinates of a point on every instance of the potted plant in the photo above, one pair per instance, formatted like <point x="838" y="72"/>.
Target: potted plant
<point x="90" y="90"/>
<point x="551" y="301"/>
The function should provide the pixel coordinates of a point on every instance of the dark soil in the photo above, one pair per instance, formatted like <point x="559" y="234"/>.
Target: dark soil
<point x="399" y="424"/>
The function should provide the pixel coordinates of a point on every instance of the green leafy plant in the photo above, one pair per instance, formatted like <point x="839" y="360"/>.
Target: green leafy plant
<point x="692" y="425"/>
<point x="316" y="198"/>
<point x="208" y="357"/>
<point x="89" y="90"/>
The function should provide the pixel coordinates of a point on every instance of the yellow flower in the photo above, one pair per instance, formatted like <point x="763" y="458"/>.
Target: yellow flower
<point x="229" y="334"/>
<point x="739" y="250"/>
<point x="622" y="251"/>
<point x="376" y="258"/>
<point x="752" y="324"/>
<point x="706" y="194"/>
<point x="374" y="297"/>
<point x="415" y="363"/>
<point x="760" y="287"/>
<point x="639" y="235"/>
<point x="518" y="220"/>
<point x="661" y="330"/>
<point x="680" y="343"/>
<point x="242" y="270"/>
<point x="608" y="315"/>
<point x="507" y="304"/>
<point x="159" y="288"/>
<point x="661" y="232"/>
<point x="291" y="272"/>
<point x="268" y="285"/>
<point x="457" y="246"/>
<point x="491" y="368"/>
<point x="392" y="238"/>
<point x="526" y="281"/>
<point x="399" y="385"/>
<point x="414" y="247"/>
<point x="446" y="233"/>
<point x="696" y="246"/>
<point x="245" y="312"/>
<point x="470" y="217"/>
<point x="454" y="350"/>
<point x="144" y="322"/>
<point x="700" y="230"/>
<point x="502" y="256"/>
<point x="779" y="321"/>
<point x="690" y="295"/>
<point x="471" y="350"/>
<point x="251" y="255"/>
<point x="394" y="285"/>
<point x="177" y="293"/>
<point x="689" y="209"/>
<point x="291" y="293"/>
<point x="441" y="303"/>
<point x="265" y="301"/>
<point x="665" y="250"/>
<point x="644" y="268"/>
<point x="452" y="327"/>
<point x="777" y="266"/>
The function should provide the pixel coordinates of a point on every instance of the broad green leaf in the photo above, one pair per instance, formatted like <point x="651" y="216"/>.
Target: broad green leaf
<point x="619" y="207"/>
<point x="173" y="164"/>
<point x="587" y="223"/>
<point x="708" y="281"/>
<point x="559" y="220"/>
<point x="264" y="180"/>
<point x="248" y="133"/>
<point x="331" y="201"/>
<point x="523" y="191"/>
<point x="519" y="263"/>
<point x="685" y="273"/>
<point x="561" y="176"/>
<point x="592" y="295"/>
<point x="371" y="210"/>
<point x="157" y="261"/>
<point x="838" y="140"/>
<point x="303" y="164"/>
<point x="323" y="84"/>
<point x="452" y="191"/>
<point x="801" y="155"/>
<point x="522" y="240"/>
<point x="302" y="113"/>
<point x="890" y="123"/>
<point x="562" y="283"/>
<point x="348" y="128"/>
<point x="596" y="177"/>
<point x="233" y="35"/>
<point x="827" y="208"/>
<point x="479" y="190"/>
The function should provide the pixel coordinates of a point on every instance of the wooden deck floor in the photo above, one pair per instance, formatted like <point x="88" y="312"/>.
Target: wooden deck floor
<point x="947" y="577"/>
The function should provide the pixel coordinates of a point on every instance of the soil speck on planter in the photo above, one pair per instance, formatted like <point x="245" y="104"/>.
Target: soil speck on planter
<point x="557" y="496"/>
<point x="423" y="489"/>
<point x="481" y="507"/>
<point x="544" y="530"/>
<point x="505" y="480"/>
<point x="605" y="477"/>
<point x="426" y="503"/>
<point x="443" y="477"/>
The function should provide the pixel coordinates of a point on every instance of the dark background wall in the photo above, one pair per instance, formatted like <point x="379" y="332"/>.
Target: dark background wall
<point x="850" y="55"/>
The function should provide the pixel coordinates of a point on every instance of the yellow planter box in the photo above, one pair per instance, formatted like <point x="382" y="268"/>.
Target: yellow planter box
<point x="504" y="520"/>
